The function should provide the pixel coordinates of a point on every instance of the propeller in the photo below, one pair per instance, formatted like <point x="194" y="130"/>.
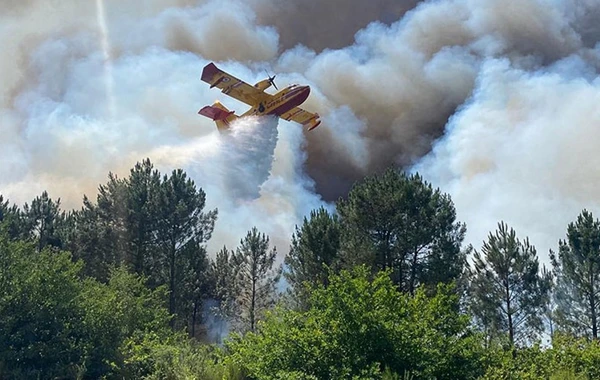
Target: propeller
<point x="272" y="80"/>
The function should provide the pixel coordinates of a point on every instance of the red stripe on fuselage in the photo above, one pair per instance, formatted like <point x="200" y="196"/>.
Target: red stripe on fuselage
<point x="294" y="101"/>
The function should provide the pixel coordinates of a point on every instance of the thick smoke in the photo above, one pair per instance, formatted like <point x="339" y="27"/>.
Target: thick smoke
<point x="524" y="150"/>
<point x="507" y="86"/>
<point x="60" y="134"/>
<point x="330" y="24"/>
<point x="405" y="80"/>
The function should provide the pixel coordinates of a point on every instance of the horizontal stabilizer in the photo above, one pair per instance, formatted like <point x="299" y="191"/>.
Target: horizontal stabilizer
<point x="220" y="114"/>
<point x="215" y="113"/>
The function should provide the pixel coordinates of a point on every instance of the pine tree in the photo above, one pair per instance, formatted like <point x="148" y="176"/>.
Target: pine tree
<point x="4" y="208"/>
<point x="143" y="189"/>
<point x="182" y="231"/>
<point x="44" y="221"/>
<point x="223" y="281"/>
<point x="11" y="220"/>
<point x="255" y="279"/>
<point x="398" y="222"/>
<point x="155" y="226"/>
<point x="508" y="292"/>
<point x="98" y="230"/>
<point x="314" y="252"/>
<point x="577" y="270"/>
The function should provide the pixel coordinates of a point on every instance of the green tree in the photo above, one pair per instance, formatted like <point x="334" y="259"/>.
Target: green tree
<point x="4" y="208"/>
<point x="508" y="292"/>
<point x="99" y="232"/>
<point x="142" y="202"/>
<point x="121" y="226"/>
<point x="11" y="220"/>
<point x="314" y="250"/>
<point x="155" y="226"/>
<point x="44" y="220"/>
<point x="356" y="327"/>
<point x="93" y="240"/>
<point x="223" y="279"/>
<point x="40" y="321"/>
<point x="568" y="358"/>
<point x="255" y="280"/>
<point x="183" y="229"/>
<point x="577" y="270"/>
<point x="119" y="314"/>
<point x="54" y="324"/>
<point x="398" y="222"/>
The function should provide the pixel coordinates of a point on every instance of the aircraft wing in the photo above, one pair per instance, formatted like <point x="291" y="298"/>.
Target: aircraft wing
<point x="232" y="86"/>
<point x="307" y="119"/>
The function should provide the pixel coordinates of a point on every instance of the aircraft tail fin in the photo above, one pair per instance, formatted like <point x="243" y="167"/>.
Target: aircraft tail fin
<point x="220" y="114"/>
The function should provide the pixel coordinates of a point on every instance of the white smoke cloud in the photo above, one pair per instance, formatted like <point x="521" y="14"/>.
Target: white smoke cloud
<point x="522" y="74"/>
<point x="523" y="150"/>
<point x="60" y="135"/>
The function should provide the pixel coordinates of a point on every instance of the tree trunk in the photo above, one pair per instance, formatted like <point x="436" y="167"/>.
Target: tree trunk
<point x="413" y="272"/>
<point x="172" y="284"/>
<point x="511" y="331"/>
<point x="593" y="304"/>
<point x="253" y="305"/>
<point x="195" y="312"/>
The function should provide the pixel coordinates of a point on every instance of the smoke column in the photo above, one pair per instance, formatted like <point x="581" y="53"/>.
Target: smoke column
<point x="492" y="100"/>
<point x="109" y="83"/>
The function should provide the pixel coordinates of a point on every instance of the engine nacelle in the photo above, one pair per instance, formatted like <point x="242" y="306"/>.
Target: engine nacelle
<point x="263" y="84"/>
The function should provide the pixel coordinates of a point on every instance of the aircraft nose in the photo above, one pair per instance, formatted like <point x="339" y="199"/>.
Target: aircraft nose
<point x="302" y="94"/>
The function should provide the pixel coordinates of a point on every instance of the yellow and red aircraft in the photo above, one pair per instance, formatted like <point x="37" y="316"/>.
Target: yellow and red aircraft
<point x="283" y="104"/>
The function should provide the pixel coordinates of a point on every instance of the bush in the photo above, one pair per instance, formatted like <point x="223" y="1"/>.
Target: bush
<point x="568" y="358"/>
<point x="54" y="324"/>
<point x="355" y="328"/>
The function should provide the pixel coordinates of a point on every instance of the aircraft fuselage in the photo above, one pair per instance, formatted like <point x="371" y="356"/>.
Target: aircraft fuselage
<point x="283" y="101"/>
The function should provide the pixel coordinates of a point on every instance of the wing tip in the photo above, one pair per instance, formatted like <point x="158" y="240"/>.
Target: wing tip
<point x="209" y="72"/>
<point x="314" y="122"/>
<point x="314" y="125"/>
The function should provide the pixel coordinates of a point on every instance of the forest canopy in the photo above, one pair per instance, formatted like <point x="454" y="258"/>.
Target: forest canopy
<point x="382" y="287"/>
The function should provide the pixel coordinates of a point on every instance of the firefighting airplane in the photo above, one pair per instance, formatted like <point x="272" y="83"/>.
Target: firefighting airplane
<point x="283" y="104"/>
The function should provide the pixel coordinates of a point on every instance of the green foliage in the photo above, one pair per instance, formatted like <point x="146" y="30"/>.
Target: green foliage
<point x="314" y="251"/>
<point x="577" y="269"/>
<point x="398" y="222"/>
<point x="41" y="320"/>
<point x="508" y="292"/>
<point x="255" y="280"/>
<point x="182" y="231"/>
<point x="43" y="221"/>
<point x="155" y="226"/>
<point x="396" y="316"/>
<point x="568" y="358"/>
<point x="53" y="324"/>
<point x="11" y="221"/>
<point x="180" y="358"/>
<point x="142" y="194"/>
<point x="224" y="285"/>
<point x="95" y="238"/>
<point x="355" y="328"/>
